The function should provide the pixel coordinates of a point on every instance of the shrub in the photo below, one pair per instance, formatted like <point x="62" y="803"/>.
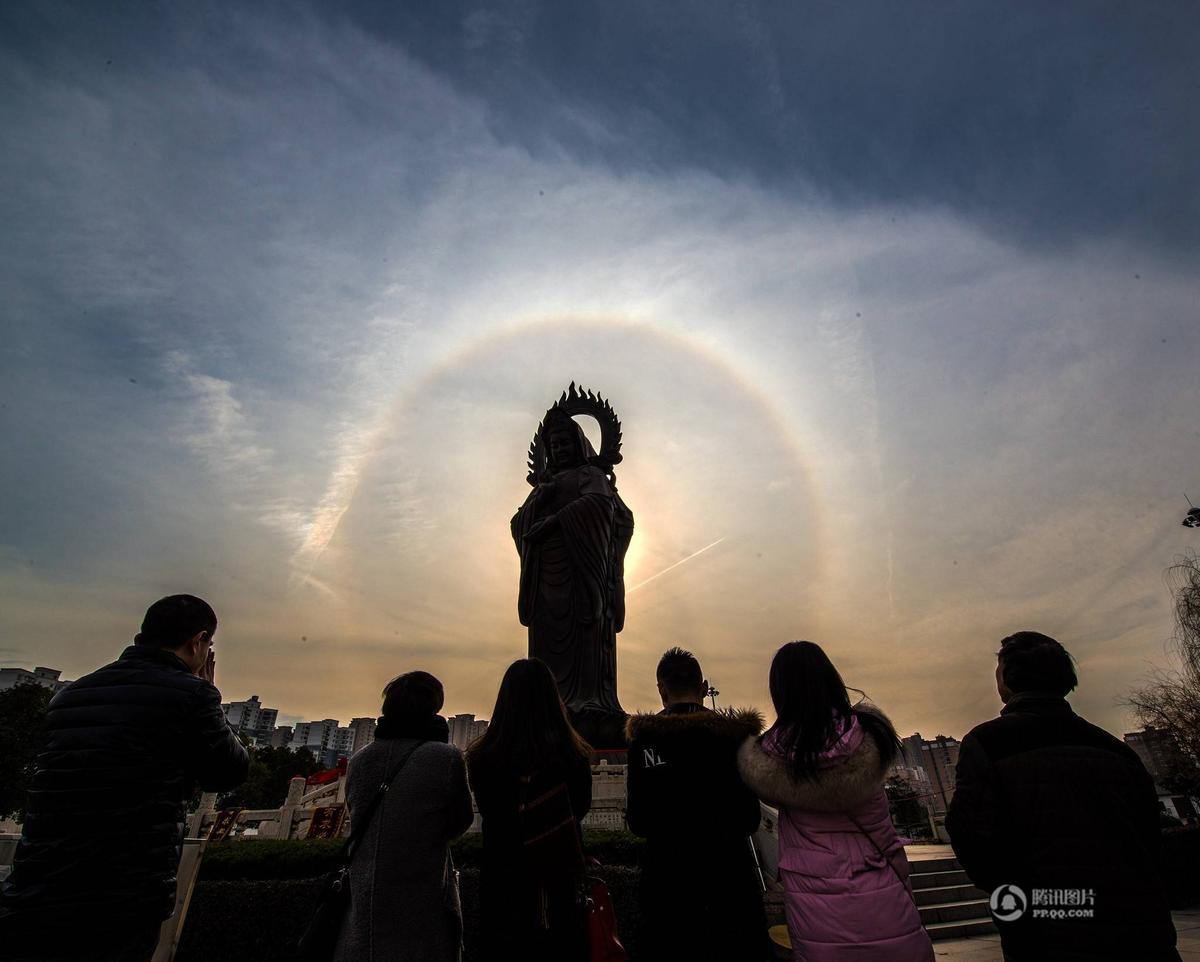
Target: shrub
<point x="253" y="898"/>
<point x="613" y="848"/>
<point x="269" y="858"/>
<point x="260" y="919"/>
<point x="274" y="858"/>
<point x="232" y="921"/>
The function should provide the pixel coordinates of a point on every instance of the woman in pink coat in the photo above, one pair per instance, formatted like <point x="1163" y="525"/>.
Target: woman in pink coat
<point x="843" y="869"/>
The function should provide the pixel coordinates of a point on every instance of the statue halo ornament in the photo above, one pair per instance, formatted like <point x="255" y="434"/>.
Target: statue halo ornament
<point x="572" y="402"/>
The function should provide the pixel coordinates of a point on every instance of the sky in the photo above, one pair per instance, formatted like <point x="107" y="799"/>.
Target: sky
<point x="897" y="304"/>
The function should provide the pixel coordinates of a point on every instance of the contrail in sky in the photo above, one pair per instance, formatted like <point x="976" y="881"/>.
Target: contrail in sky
<point x="674" y="566"/>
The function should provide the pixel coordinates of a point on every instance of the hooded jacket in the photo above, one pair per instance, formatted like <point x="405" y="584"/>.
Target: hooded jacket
<point x="701" y="893"/>
<point x="843" y="869"/>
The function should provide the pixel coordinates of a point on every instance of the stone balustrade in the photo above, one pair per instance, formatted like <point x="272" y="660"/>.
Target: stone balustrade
<point x="290" y="820"/>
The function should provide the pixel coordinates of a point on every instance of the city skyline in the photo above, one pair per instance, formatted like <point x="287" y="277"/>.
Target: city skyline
<point x="278" y="719"/>
<point x="897" y="309"/>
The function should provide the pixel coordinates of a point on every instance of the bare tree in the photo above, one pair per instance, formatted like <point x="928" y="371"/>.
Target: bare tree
<point x="1170" y="699"/>
<point x="1184" y="578"/>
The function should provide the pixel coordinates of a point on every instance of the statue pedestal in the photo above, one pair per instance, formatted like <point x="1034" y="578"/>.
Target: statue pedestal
<point x="600" y="729"/>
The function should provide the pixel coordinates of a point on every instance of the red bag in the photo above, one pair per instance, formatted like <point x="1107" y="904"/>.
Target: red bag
<point x="601" y="921"/>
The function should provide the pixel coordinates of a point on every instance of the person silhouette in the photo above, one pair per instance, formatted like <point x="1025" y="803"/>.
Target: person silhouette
<point x="1045" y="800"/>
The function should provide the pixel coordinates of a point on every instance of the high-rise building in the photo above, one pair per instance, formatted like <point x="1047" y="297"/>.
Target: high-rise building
<point x="251" y="719"/>
<point x="281" y="737"/>
<point x="343" y="742"/>
<point x="315" y="736"/>
<point x="938" y="758"/>
<point x="364" y="732"/>
<point x="46" y="677"/>
<point x="464" y="729"/>
<point x="326" y="739"/>
<point x="1156" y="749"/>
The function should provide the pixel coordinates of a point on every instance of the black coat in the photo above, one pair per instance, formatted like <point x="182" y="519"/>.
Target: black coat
<point x="515" y="902"/>
<point x="701" y="896"/>
<point x="125" y="748"/>
<point x="1045" y="800"/>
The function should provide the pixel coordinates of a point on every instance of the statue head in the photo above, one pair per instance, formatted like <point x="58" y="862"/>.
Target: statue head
<point x="566" y="444"/>
<point x="574" y="449"/>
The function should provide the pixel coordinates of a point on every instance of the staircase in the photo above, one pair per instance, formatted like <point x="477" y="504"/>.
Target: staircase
<point x="950" y="906"/>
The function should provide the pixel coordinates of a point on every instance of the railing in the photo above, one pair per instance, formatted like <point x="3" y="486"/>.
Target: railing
<point x="294" y="818"/>
<point x="291" y="820"/>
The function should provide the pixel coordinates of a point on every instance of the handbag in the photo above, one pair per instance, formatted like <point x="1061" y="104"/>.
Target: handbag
<point x="320" y="937"/>
<point x="603" y="943"/>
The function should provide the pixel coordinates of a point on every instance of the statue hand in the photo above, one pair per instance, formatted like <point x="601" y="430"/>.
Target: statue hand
<point x="541" y="529"/>
<point x="545" y="491"/>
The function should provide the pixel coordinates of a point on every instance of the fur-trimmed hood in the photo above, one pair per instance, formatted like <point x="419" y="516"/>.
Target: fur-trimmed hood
<point x="841" y="787"/>
<point x="734" y="724"/>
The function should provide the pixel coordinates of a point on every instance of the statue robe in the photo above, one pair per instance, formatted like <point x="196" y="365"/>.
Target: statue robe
<point x="572" y="594"/>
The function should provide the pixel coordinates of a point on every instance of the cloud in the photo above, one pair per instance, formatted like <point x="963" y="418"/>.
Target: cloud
<point x="219" y="431"/>
<point x="286" y="296"/>
<point x="1051" y="126"/>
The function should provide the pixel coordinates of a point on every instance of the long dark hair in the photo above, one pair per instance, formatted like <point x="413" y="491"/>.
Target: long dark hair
<point x="811" y="706"/>
<point x="529" y="730"/>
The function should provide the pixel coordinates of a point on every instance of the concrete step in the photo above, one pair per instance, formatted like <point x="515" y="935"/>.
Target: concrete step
<point x="941" y="894"/>
<point x="954" y="911"/>
<point x="963" y="929"/>
<point x="940" y="863"/>
<point x="932" y="880"/>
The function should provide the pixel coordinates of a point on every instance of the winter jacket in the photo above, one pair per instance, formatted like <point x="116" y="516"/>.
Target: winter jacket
<point x="125" y="748"/>
<point x="404" y="904"/>
<point x="700" y="892"/>
<point x="1045" y="800"/>
<point x="525" y="914"/>
<point x="843" y="870"/>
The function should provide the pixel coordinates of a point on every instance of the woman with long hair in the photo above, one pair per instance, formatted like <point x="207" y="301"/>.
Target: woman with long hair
<point x="843" y="868"/>
<point x="532" y="778"/>
<point x="404" y="903"/>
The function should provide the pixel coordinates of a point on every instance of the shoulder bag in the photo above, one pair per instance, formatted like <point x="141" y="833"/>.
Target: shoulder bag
<point x="907" y="883"/>
<point x="549" y="831"/>
<point x="319" y="940"/>
<point x="550" y="841"/>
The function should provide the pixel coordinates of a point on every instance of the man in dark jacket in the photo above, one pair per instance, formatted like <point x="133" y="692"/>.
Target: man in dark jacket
<point x="1058" y="820"/>
<point x="94" y="873"/>
<point x="701" y="893"/>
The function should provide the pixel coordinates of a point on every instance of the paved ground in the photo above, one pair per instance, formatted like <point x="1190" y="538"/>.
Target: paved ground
<point x="986" y="948"/>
